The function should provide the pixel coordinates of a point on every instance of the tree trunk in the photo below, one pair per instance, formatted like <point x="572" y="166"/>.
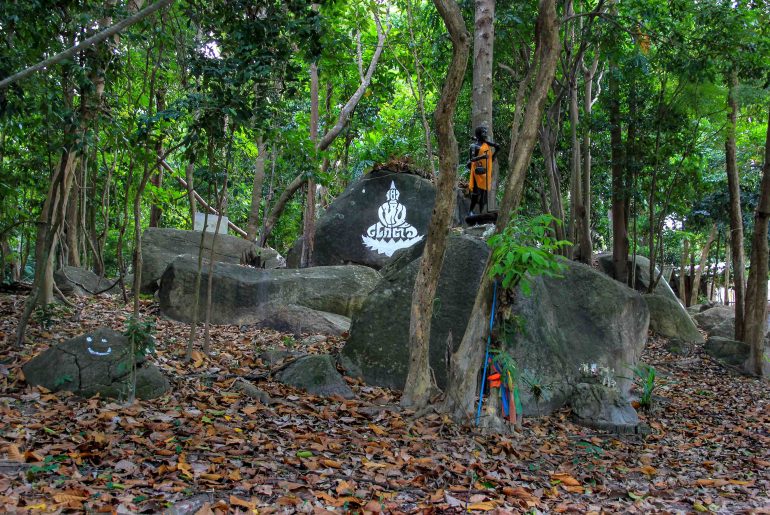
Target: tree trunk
<point x="756" y="291"/>
<point x="682" y="281"/>
<point x="49" y="222"/>
<point x="252" y="225"/>
<point x="419" y="384"/>
<point x="704" y="254"/>
<point x="584" y="209"/>
<point x="481" y="96"/>
<point x="619" y="197"/>
<point x="420" y="93"/>
<point x="308" y="233"/>
<point x="72" y="220"/>
<point x="547" y="142"/>
<point x="576" y="185"/>
<point x="736" y="217"/>
<point x="465" y="363"/>
<point x="726" y="300"/>
<point x="189" y="171"/>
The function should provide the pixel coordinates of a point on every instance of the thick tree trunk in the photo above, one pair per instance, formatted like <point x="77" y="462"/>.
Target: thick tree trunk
<point x="481" y="96"/>
<point x="704" y="254"/>
<point x="252" y="226"/>
<point x="736" y="216"/>
<point x="419" y="383"/>
<point x="756" y="291"/>
<point x="463" y="387"/>
<point x="49" y="222"/>
<point x="619" y="197"/>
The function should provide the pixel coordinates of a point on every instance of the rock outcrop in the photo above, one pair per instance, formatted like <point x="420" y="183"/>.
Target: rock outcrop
<point x="377" y="348"/>
<point x="292" y="318"/>
<point x="316" y="374"/>
<point x="240" y="293"/>
<point x="668" y="319"/>
<point x="81" y="282"/>
<point x="98" y="362"/>
<point x="161" y="246"/>
<point x="376" y="215"/>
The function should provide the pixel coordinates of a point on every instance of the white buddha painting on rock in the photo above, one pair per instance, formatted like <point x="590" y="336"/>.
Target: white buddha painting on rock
<point x="391" y="232"/>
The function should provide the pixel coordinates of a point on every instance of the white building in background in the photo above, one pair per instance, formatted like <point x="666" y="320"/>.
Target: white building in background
<point x="200" y="219"/>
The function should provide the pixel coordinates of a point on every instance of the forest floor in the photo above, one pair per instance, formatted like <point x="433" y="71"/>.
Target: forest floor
<point x="206" y="448"/>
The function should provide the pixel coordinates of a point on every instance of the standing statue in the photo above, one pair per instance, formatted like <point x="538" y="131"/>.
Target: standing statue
<point x="482" y="153"/>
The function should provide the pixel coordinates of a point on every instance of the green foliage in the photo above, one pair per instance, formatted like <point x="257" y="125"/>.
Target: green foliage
<point x="645" y="376"/>
<point x="140" y="333"/>
<point x="525" y="248"/>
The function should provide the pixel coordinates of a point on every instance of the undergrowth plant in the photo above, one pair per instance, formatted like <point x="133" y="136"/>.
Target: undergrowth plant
<point x="645" y="376"/>
<point x="527" y="247"/>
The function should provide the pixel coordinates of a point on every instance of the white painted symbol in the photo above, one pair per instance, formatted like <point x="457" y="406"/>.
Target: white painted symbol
<point x="391" y="232"/>
<point x="96" y="352"/>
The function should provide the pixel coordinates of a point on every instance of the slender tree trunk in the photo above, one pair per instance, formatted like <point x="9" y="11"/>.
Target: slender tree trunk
<point x="252" y="225"/>
<point x="736" y="216"/>
<point x="481" y="96"/>
<point x="188" y="173"/>
<point x="715" y="269"/>
<point x="576" y="185"/>
<point x="419" y="384"/>
<point x="756" y="291"/>
<point x="584" y="211"/>
<point x="547" y="142"/>
<point x="465" y="363"/>
<point x="420" y="92"/>
<point x="704" y="254"/>
<point x="308" y="240"/>
<point x="269" y="198"/>
<point x="619" y="201"/>
<point x="682" y="275"/>
<point x="728" y="254"/>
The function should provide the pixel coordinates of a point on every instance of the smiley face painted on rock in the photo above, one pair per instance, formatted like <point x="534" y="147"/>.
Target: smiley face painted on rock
<point x="103" y="343"/>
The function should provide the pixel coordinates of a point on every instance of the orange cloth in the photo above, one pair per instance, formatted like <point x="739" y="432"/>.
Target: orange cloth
<point x="479" y="179"/>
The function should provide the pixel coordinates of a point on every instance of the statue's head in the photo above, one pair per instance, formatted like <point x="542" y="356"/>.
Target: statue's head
<point x="393" y="193"/>
<point x="481" y="132"/>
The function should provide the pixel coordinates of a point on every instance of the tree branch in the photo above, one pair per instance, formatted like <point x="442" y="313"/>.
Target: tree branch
<point x="93" y="40"/>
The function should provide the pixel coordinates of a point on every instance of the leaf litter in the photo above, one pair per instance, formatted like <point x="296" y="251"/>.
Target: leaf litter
<point x="207" y="447"/>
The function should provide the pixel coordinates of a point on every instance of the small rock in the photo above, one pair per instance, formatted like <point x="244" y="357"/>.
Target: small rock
<point x="597" y="406"/>
<point x="317" y="374"/>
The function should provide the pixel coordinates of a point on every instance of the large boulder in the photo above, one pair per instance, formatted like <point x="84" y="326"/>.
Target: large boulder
<point x="727" y="351"/>
<point x="240" y="293"/>
<point x="81" y="282"/>
<point x="642" y="275"/>
<point x="709" y="319"/>
<point x="96" y="362"/>
<point x="161" y="246"/>
<point x="316" y="374"/>
<point x="668" y="319"/>
<point x="583" y="317"/>
<point x="292" y="318"/>
<point x="376" y="215"/>
<point x="378" y="346"/>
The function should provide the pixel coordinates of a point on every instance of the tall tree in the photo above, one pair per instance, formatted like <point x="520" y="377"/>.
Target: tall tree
<point x="465" y="363"/>
<point x="418" y="388"/>
<point x="756" y="291"/>
<point x="481" y="98"/>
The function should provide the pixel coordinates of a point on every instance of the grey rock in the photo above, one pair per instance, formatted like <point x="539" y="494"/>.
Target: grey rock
<point x="679" y="347"/>
<point x="582" y="317"/>
<point x="698" y="308"/>
<point x="378" y="346"/>
<point x="240" y="293"/>
<point x="604" y="408"/>
<point x="318" y="375"/>
<point x="712" y="317"/>
<point x="161" y="246"/>
<point x="341" y="228"/>
<point x="642" y="275"/>
<point x="81" y="282"/>
<point x="96" y="362"/>
<point x="292" y="318"/>
<point x="727" y="351"/>
<point x="669" y="319"/>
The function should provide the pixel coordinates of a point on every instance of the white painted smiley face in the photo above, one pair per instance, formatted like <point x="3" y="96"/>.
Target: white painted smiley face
<point x="96" y="352"/>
